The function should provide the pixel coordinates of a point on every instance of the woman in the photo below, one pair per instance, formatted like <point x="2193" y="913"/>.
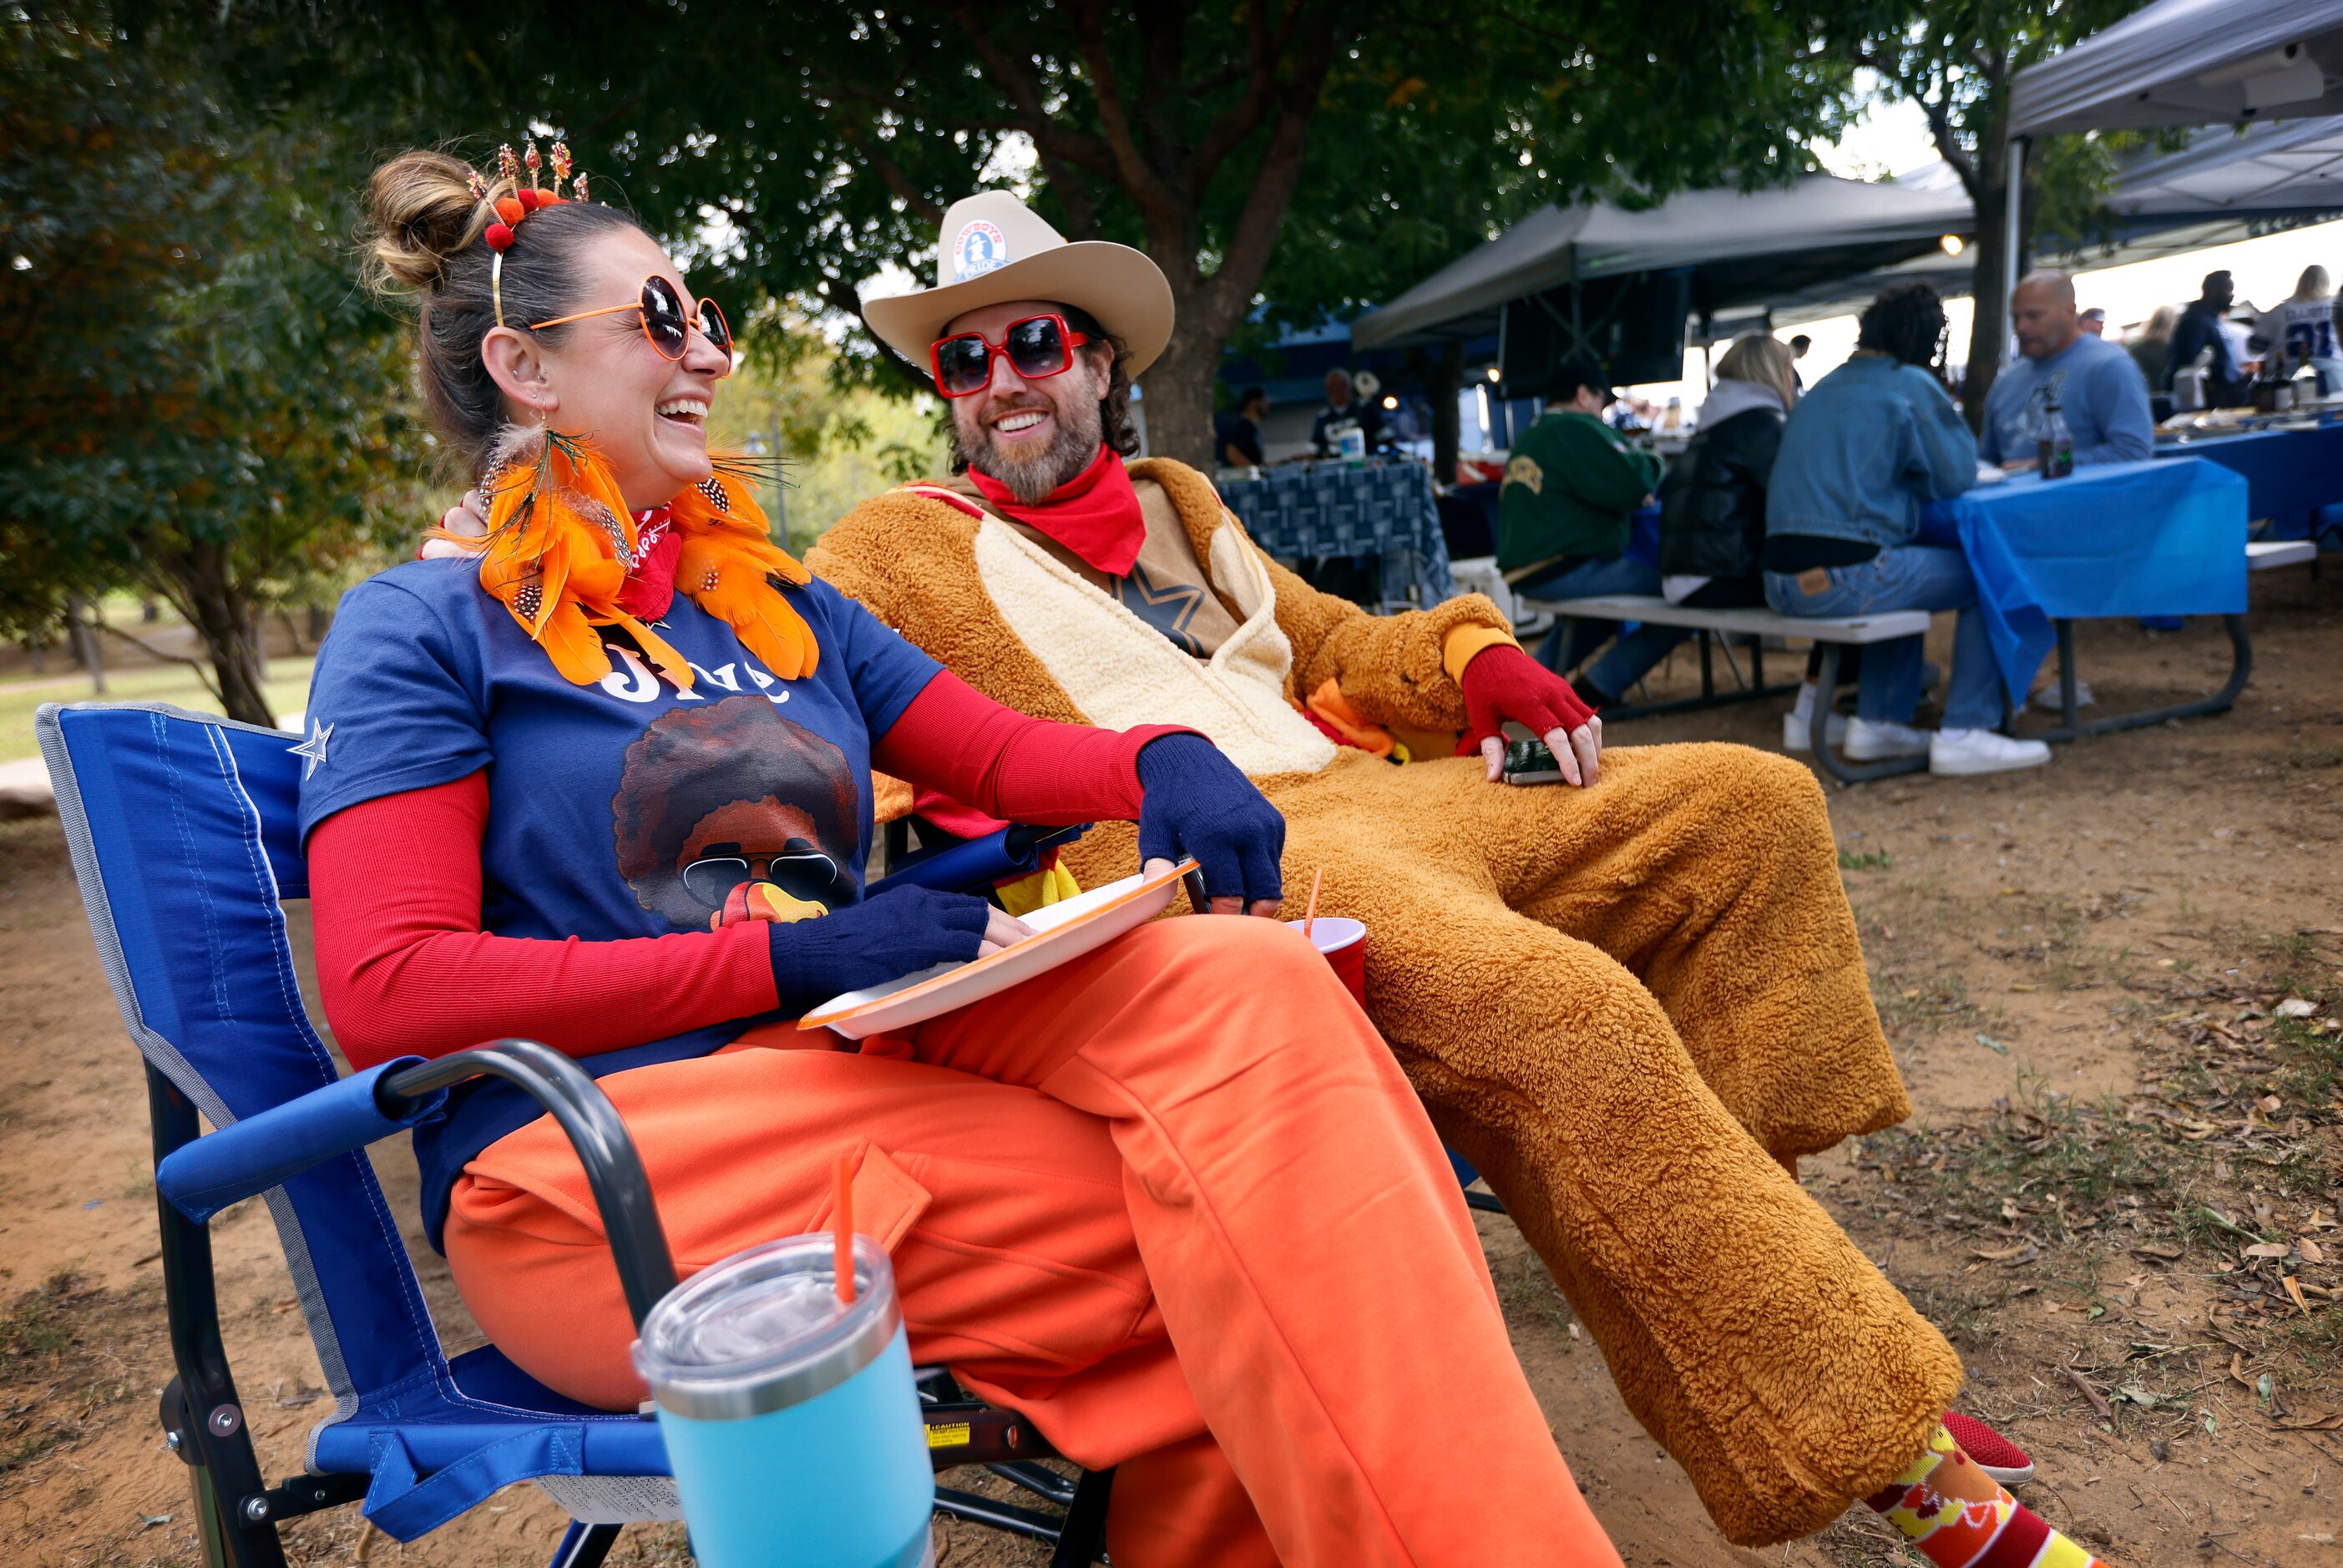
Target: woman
<point x="608" y="785"/>
<point x="1874" y="441"/>
<point x="1713" y="509"/>
<point x="2151" y="348"/>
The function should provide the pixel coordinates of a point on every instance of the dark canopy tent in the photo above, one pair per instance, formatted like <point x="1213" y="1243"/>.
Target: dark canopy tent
<point x="1618" y="282"/>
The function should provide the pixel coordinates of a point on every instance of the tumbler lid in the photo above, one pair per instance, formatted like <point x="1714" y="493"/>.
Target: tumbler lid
<point x="764" y="1329"/>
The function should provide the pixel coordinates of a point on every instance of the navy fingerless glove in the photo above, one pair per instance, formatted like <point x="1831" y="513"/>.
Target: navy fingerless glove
<point x="1196" y="802"/>
<point x="899" y="932"/>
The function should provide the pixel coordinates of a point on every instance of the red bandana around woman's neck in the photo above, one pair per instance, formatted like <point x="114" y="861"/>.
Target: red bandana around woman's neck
<point x="1095" y="514"/>
<point x="649" y="587"/>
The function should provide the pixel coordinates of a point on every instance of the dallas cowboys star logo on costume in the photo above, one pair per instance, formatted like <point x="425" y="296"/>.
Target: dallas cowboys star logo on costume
<point x="314" y="748"/>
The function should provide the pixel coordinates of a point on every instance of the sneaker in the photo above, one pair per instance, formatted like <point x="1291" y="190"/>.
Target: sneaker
<point x="1869" y="741"/>
<point x="1960" y="752"/>
<point x="1796" y="735"/>
<point x="2046" y="699"/>
<point x="1989" y="1451"/>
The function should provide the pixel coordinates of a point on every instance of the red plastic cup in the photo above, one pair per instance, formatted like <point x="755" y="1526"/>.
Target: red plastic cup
<point x="1343" y="943"/>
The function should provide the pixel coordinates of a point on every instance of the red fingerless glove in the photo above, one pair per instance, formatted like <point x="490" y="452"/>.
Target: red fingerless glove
<point x="1504" y="683"/>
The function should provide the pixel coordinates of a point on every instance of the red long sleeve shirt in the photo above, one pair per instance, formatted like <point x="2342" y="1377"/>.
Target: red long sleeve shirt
<point x="404" y="968"/>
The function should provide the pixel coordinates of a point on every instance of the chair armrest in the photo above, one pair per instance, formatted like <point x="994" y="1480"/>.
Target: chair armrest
<point x="978" y="863"/>
<point x="614" y="1170"/>
<point x="202" y="1177"/>
<point x="247" y="1156"/>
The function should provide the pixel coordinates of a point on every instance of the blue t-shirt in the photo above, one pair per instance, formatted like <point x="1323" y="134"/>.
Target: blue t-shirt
<point x="615" y="810"/>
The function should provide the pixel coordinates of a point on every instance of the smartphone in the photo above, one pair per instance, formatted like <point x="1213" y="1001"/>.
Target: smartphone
<point x="1530" y="762"/>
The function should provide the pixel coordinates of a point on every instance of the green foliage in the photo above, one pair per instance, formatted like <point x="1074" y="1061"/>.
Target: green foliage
<point x="205" y="403"/>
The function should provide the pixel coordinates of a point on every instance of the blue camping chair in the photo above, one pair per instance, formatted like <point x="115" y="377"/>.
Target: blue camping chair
<point x="183" y="832"/>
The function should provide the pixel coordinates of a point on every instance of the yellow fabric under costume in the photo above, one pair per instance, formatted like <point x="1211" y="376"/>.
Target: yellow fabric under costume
<point x="1623" y="1004"/>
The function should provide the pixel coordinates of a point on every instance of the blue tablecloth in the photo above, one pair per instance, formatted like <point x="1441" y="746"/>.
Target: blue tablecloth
<point x="1386" y="509"/>
<point x="2291" y="473"/>
<point x="2158" y="537"/>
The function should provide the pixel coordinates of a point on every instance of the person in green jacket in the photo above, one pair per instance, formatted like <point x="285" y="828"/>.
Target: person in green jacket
<point x="1571" y="490"/>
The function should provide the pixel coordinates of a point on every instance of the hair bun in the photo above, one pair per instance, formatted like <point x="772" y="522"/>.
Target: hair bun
<point x="419" y="211"/>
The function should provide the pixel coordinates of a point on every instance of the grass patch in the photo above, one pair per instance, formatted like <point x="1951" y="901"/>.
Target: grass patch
<point x="37" y="1326"/>
<point x="1868" y="860"/>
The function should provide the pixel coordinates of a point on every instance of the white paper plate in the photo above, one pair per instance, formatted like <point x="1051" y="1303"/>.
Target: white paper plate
<point x="1064" y="932"/>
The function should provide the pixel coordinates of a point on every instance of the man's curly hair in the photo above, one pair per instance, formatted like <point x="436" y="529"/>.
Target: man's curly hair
<point x="1905" y="322"/>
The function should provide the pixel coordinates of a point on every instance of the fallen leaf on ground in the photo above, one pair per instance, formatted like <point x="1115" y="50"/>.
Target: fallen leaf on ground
<point x="2311" y="1423"/>
<point x="2002" y="1254"/>
<point x="2265" y="1250"/>
<point x="2295" y="1007"/>
<point x="2160" y="1251"/>
<point x="2312" y="1252"/>
<point x="2296" y="1291"/>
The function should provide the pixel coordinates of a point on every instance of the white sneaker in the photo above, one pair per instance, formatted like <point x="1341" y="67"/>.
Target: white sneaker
<point x="1796" y="733"/>
<point x="1960" y="752"/>
<point x="2046" y="699"/>
<point x="1867" y="741"/>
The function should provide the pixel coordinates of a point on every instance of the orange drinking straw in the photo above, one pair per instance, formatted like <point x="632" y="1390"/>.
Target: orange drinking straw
<point x="1310" y="914"/>
<point x="842" y="1228"/>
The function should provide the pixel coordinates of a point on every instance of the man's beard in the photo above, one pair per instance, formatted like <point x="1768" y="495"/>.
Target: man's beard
<point x="1032" y="476"/>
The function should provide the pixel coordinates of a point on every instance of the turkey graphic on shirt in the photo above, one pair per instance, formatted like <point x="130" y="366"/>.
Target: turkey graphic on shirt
<point x="731" y="812"/>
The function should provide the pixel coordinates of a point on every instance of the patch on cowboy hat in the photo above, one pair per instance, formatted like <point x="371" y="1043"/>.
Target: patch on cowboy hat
<point x="979" y="249"/>
<point x="991" y="249"/>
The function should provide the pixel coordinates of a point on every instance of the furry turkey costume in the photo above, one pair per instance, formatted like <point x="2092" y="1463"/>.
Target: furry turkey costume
<point x="1623" y="1004"/>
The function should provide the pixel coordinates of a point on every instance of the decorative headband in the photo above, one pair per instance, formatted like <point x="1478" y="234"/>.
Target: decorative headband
<point x="525" y="199"/>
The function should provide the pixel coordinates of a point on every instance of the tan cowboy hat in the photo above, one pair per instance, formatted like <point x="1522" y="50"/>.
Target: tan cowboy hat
<point x="993" y="249"/>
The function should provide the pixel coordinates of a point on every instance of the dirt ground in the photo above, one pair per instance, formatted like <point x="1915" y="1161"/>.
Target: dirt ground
<point x="2115" y="986"/>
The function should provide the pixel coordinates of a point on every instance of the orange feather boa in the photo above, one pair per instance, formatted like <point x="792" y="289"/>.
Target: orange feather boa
<point x="562" y="540"/>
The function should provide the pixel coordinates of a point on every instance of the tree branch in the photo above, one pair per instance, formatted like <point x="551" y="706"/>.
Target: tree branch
<point x="1015" y="76"/>
<point x="1231" y="127"/>
<point x="203" y="671"/>
<point x="1255" y="235"/>
<point x="1163" y="207"/>
<point x="911" y="195"/>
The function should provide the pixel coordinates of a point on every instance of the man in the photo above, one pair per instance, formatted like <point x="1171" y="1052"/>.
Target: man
<point x="2200" y="331"/>
<point x="1569" y="498"/>
<point x="2097" y="386"/>
<point x="2094" y="322"/>
<point x="1798" y="346"/>
<point x="1740" y="1326"/>
<point x="1342" y="408"/>
<point x="1236" y="437"/>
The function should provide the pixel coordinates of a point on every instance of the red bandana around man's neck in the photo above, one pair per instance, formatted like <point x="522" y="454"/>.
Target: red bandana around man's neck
<point x="1095" y="514"/>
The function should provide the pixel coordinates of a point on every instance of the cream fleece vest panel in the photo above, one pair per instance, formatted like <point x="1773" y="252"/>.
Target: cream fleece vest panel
<point x="1120" y="671"/>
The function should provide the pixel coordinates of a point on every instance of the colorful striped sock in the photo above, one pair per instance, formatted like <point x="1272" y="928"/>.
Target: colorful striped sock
<point x="1960" y="1517"/>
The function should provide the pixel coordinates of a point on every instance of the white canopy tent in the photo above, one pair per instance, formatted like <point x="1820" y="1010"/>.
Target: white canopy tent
<point x="1746" y="247"/>
<point x="2181" y="63"/>
<point x="2189" y="63"/>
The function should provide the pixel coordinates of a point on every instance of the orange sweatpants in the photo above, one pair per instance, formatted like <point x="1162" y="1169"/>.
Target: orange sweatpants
<point x="1174" y="1200"/>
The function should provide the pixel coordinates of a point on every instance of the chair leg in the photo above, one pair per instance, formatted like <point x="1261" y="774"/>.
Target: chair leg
<point x="1081" y="1539"/>
<point x="585" y="1545"/>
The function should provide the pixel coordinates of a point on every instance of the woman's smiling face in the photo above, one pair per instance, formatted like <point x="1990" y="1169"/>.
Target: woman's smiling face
<point x="646" y="414"/>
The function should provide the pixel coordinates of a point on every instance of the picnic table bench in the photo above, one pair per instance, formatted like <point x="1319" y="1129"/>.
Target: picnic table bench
<point x="1833" y="633"/>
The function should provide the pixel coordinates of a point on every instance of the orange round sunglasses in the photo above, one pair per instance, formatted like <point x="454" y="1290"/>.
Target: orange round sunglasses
<point x="666" y="324"/>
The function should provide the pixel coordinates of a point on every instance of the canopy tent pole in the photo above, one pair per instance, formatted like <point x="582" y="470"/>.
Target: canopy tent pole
<point x="2013" y="227"/>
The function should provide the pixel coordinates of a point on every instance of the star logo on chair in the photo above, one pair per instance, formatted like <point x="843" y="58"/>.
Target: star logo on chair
<point x="314" y="748"/>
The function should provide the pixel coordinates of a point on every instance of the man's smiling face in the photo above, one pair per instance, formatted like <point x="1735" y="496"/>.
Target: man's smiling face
<point x="1032" y="436"/>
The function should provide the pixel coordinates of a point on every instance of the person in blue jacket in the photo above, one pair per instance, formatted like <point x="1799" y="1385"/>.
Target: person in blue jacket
<point x="2098" y="387"/>
<point x="1874" y="442"/>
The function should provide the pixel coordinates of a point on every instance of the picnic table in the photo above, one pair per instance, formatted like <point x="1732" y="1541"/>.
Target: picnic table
<point x="1383" y="508"/>
<point x="2158" y="538"/>
<point x="2290" y="473"/>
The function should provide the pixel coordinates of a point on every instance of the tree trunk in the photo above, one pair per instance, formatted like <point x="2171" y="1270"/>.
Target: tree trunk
<point x="224" y="616"/>
<point x="1178" y="388"/>
<point x="1986" y="283"/>
<point x="85" y="643"/>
